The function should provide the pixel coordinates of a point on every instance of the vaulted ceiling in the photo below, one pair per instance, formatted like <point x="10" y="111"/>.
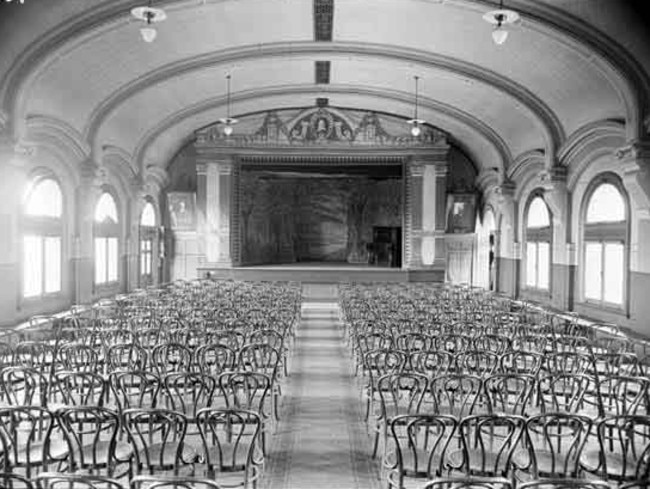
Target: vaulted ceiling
<point x="79" y="67"/>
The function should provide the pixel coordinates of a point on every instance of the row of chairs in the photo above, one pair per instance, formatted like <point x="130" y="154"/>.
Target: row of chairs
<point x="220" y="444"/>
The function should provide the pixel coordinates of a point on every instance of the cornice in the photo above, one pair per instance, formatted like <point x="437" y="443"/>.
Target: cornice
<point x="480" y="128"/>
<point x="536" y="108"/>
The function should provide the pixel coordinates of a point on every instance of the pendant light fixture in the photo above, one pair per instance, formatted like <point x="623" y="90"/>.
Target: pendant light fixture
<point x="416" y="130"/>
<point x="228" y="121"/>
<point x="499" y="19"/>
<point x="149" y="16"/>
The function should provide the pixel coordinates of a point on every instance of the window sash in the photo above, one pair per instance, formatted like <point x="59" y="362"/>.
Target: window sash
<point x="106" y="260"/>
<point x="605" y="271"/>
<point x="42" y="265"/>
<point x="538" y="263"/>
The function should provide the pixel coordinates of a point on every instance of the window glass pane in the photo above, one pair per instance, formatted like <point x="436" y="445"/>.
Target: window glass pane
<point x="614" y="272"/>
<point x="543" y="257"/>
<point x="606" y="205"/>
<point x="148" y="217"/>
<point x="32" y="266"/>
<point x="52" y="264"/>
<point x="593" y="268"/>
<point x="538" y="214"/>
<point x="106" y="210"/>
<point x="531" y="264"/>
<point x="113" y="259"/>
<point x="44" y="199"/>
<point x="100" y="260"/>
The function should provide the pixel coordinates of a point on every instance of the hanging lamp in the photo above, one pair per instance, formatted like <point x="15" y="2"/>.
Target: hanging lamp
<point x="416" y="123"/>
<point x="228" y="121"/>
<point x="149" y="16"/>
<point x="500" y="18"/>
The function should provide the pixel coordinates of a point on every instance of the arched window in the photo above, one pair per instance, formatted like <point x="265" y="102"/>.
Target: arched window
<point x="605" y="240"/>
<point x="42" y="238"/>
<point x="107" y="234"/>
<point x="538" y="244"/>
<point x="148" y="233"/>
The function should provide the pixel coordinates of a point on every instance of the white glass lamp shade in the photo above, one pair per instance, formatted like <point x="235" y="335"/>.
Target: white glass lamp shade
<point x="148" y="33"/>
<point x="227" y="129"/>
<point x="416" y="130"/>
<point x="499" y="35"/>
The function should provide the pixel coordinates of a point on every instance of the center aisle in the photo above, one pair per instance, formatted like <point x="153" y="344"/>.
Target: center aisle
<point x="321" y="440"/>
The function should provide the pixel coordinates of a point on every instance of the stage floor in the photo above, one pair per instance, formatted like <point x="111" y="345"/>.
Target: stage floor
<point x="323" y="272"/>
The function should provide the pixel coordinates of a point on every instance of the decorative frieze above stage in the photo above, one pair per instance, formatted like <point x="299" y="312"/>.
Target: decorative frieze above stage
<point x="287" y="179"/>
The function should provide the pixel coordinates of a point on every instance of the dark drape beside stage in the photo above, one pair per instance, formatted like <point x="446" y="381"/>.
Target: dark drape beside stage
<point x="297" y="219"/>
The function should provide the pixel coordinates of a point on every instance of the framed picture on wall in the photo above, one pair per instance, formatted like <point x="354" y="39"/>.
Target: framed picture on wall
<point x="182" y="210"/>
<point x="461" y="213"/>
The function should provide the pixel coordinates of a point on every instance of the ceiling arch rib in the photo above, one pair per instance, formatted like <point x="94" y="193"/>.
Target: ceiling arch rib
<point x="534" y="13"/>
<point x="513" y="96"/>
<point x="479" y="140"/>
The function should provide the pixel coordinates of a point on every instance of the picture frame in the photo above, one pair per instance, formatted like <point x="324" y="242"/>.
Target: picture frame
<point x="182" y="210"/>
<point x="461" y="213"/>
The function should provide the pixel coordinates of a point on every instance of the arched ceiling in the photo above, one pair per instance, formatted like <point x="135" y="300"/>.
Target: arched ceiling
<point x="82" y="64"/>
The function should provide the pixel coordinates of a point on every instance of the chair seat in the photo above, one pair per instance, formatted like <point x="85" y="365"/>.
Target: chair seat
<point x="58" y="451"/>
<point x="164" y="455"/>
<point x="123" y="452"/>
<point x="619" y="466"/>
<point x="481" y="462"/>
<point x="229" y="457"/>
<point x="548" y="464"/>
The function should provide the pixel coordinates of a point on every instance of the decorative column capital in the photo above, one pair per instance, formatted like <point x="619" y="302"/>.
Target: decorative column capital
<point x="415" y="169"/>
<point x="635" y="160"/>
<point x="554" y="178"/>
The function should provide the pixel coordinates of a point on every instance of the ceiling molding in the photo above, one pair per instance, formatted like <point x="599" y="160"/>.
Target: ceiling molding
<point x="569" y="30"/>
<point x="589" y="135"/>
<point x="483" y="130"/>
<point x="537" y="110"/>
<point x="68" y="139"/>
<point x="524" y="163"/>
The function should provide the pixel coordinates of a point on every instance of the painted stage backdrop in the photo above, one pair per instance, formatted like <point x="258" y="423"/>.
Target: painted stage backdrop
<point x="303" y="218"/>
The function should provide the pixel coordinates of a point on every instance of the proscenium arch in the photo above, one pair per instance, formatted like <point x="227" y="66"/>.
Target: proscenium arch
<point x="483" y="130"/>
<point x="634" y="81"/>
<point x="537" y="110"/>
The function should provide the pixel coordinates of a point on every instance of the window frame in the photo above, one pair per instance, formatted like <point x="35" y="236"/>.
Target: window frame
<point x="147" y="233"/>
<point x="42" y="227"/>
<point x="106" y="231"/>
<point x="535" y="236"/>
<point x="604" y="233"/>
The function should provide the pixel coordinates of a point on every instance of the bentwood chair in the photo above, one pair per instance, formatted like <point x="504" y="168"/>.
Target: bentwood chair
<point x="30" y="439"/>
<point x="553" y="444"/>
<point x="624" y="449"/>
<point x="56" y="480"/>
<point x="94" y="444"/>
<point x="231" y="446"/>
<point x="564" y="483"/>
<point x="135" y="389"/>
<point x="487" y="443"/>
<point x="171" y="482"/>
<point x="157" y="437"/>
<point x="469" y="483"/>
<point x="417" y="448"/>
<point x="9" y="480"/>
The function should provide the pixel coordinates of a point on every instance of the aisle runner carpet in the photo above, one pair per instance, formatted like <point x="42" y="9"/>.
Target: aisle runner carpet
<point x="321" y="440"/>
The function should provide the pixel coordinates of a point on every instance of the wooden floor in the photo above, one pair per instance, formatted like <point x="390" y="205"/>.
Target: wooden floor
<point x="321" y="440"/>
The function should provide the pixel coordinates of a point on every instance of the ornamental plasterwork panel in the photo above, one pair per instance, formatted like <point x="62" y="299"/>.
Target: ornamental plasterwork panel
<point x="322" y="126"/>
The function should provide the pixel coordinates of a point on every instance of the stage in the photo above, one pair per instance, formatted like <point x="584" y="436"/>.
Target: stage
<point x="322" y="272"/>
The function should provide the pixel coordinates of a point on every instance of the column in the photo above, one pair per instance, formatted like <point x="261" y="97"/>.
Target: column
<point x="82" y="242"/>
<point x="554" y="181"/>
<point x="413" y="215"/>
<point x="508" y="251"/>
<point x="218" y="206"/>
<point x="12" y="185"/>
<point x="426" y="201"/>
<point x="635" y="162"/>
